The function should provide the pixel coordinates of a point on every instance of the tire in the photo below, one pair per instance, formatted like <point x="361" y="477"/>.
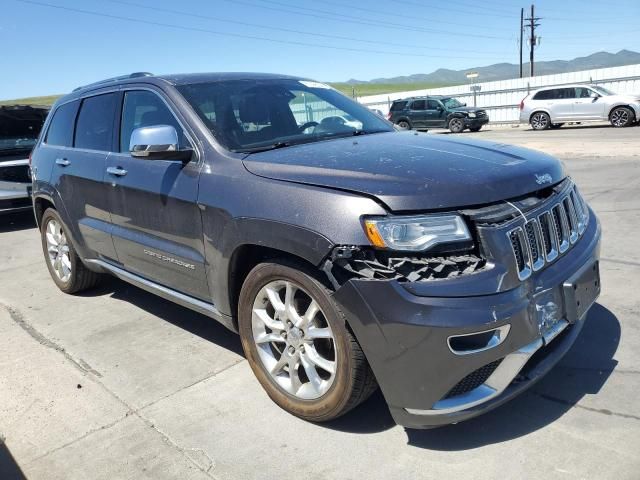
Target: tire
<point x="273" y="348"/>
<point x="540" y="121"/>
<point x="555" y="126"/>
<point x="404" y="124"/>
<point x="621" y="117"/>
<point x="475" y="129"/>
<point x="65" y="266"/>
<point x="456" y="125"/>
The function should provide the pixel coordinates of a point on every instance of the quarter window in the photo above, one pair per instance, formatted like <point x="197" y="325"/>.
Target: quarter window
<point x="94" y="128"/>
<point x="397" y="106"/>
<point x="145" y="109"/>
<point x="61" y="129"/>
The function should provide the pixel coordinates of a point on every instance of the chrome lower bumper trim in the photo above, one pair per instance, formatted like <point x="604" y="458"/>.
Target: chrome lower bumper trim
<point x="499" y="380"/>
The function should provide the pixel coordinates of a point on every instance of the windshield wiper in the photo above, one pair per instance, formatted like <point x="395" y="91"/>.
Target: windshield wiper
<point x="265" y="148"/>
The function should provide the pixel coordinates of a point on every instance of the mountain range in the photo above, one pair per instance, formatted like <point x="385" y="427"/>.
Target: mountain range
<point x="502" y="71"/>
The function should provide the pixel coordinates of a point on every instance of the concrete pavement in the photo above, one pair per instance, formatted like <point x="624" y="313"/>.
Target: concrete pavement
<point x="118" y="383"/>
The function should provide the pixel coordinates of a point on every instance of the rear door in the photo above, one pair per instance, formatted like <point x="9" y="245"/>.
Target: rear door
<point x="561" y="104"/>
<point x="418" y="113"/>
<point x="157" y="228"/>
<point x="76" y="145"/>
<point x="586" y="107"/>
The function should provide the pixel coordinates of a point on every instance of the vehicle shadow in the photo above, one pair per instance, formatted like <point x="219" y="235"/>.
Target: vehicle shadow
<point x="584" y="370"/>
<point x="14" y="222"/>
<point x="9" y="468"/>
<point x="204" y="327"/>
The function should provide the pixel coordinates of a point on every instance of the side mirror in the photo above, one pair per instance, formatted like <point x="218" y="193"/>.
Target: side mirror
<point x="158" y="142"/>
<point x="464" y="104"/>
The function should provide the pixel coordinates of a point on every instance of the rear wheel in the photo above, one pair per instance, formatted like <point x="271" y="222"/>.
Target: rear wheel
<point x="297" y="342"/>
<point x="456" y="125"/>
<point x="540" y="121"/>
<point x="65" y="267"/>
<point x="621" y="117"/>
<point x="404" y="124"/>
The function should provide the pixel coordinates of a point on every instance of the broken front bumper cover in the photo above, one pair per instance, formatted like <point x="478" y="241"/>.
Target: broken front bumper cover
<point x="405" y="335"/>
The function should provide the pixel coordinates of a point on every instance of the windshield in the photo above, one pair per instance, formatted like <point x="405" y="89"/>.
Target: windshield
<point x="602" y="90"/>
<point x="20" y="127"/>
<point x="451" y="103"/>
<point x="253" y="115"/>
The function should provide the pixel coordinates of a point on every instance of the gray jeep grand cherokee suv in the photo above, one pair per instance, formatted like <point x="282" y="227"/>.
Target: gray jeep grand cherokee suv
<point x="451" y="273"/>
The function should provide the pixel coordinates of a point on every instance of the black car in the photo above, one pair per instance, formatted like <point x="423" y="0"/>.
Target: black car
<point x="345" y="253"/>
<point x="436" y="112"/>
<point x="20" y="126"/>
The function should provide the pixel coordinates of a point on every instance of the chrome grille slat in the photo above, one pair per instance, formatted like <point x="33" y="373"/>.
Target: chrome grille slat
<point x="544" y="238"/>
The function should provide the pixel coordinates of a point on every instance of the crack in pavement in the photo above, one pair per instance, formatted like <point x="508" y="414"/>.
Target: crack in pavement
<point x="84" y="367"/>
<point x="19" y="319"/>
<point x="602" y="411"/>
<point x="629" y="263"/>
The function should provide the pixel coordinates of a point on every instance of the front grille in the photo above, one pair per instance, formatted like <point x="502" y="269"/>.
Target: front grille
<point x="543" y="238"/>
<point x="473" y="380"/>
<point x="15" y="173"/>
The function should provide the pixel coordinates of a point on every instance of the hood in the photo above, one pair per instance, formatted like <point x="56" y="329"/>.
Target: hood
<point x="466" y="109"/>
<point x="629" y="97"/>
<point x="409" y="171"/>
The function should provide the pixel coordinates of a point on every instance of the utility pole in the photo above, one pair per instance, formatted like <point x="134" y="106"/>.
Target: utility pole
<point x="533" y="40"/>
<point x="521" y="37"/>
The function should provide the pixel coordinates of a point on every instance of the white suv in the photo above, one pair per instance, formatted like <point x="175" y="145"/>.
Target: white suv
<point x="552" y="107"/>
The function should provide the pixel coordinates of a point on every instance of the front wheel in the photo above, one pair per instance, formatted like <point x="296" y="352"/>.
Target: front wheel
<point x="540" y="121"/>
<point x="456" y="125"/>
<point x="298" y="345"/>
<point x="621" y="117"/>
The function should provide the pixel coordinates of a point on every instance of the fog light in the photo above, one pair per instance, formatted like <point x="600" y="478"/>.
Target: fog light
<point x="478" y="341"/>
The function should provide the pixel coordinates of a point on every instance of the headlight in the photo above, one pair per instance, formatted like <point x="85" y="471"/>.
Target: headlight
<point x="471" y="115"/>
<point x="417" y="233"/>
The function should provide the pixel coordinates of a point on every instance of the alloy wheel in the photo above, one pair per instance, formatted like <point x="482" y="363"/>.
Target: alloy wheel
<point x="293" y="339"/>
<point x="58" y="250"/>
<point x="539" y="121"/>
<point x="620" y="117"/>
<point x="456" y="125"/>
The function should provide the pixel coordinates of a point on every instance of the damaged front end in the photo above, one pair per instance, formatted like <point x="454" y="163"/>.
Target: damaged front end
<point x="346" y="262"/>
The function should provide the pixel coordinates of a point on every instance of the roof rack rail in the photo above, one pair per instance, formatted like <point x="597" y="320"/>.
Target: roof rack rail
<point x="115" y="79"/>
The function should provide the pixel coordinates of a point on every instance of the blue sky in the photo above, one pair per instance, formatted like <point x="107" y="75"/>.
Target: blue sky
<point x="53" y="50"/>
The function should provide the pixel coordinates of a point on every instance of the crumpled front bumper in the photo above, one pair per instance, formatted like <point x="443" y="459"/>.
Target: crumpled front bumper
<point x="405" y="337"/>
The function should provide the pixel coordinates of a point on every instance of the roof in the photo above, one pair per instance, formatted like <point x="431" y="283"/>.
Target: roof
<point x="422" y="97"/>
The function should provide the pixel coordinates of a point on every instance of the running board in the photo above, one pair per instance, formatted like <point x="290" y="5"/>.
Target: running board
<point x="199" y="306"/>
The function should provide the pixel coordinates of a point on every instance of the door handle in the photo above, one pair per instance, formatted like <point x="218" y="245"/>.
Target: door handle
<point x="117" y="171"/>
<point x="63" y="162"/>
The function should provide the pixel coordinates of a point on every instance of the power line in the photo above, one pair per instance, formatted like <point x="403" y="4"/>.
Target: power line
<point x="289" y="30"/>
<point x="395" y="14"/>
<point x="229" y="34"/>
<point x="355" y="20"/>
<point x="460" y="10"/>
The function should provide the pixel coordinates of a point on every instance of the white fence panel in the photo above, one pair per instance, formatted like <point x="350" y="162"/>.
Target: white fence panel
<point x="502" y="98"/>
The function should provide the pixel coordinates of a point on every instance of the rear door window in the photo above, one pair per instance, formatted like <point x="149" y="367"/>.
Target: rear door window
<point x="419" y="105"/>
<point x="94" y="128"/>
<point x="60" y="131"/>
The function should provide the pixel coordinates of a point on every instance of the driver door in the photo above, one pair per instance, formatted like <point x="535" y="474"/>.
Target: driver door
<point x="157" y="228"/>
<point x="587" y="105"/>
<point x="435" y="114"/>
